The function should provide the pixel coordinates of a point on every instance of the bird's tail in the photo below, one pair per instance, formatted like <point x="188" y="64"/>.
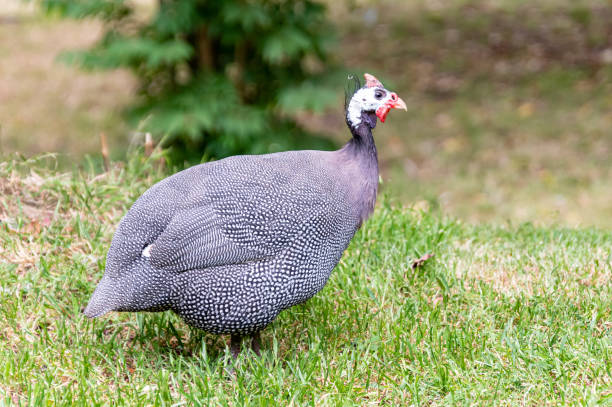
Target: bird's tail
<point x="102" y="300"/>
<point x="138" y="288"/>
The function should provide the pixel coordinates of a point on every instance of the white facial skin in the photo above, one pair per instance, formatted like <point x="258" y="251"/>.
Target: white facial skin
<point x="366" y="99"/>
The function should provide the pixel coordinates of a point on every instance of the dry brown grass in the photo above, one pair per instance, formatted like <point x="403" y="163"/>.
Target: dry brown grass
<point x="508" y="105"/>
<point x="49" y="106"/>
<point x="519" y="272"/>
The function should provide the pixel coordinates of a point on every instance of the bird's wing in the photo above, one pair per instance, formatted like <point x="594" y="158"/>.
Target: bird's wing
<point x="194" y="238"/>
<point x="241" y="213"/>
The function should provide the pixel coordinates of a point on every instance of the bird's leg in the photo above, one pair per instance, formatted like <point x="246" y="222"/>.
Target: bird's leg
<point x="235" y="345"/>
<point x="256" y="343"/>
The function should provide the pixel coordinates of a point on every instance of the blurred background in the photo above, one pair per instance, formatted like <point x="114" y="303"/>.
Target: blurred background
<point x="509" y="102"/>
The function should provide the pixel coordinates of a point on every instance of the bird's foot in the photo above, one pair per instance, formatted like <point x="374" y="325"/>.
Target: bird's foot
<point x="236" y="344"/>
<point x="235" y="348"/>
<point x="256" y="343"/>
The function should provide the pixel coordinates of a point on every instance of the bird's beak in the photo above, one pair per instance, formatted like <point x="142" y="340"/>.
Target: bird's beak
<point x="399" y="104"/>
<point x="394" y="102"/>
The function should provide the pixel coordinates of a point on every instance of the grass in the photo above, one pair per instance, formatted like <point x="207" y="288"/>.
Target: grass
<point x="503" y="315"/>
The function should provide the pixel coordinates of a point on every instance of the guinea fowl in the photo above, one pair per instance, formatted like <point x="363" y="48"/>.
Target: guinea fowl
<point x="229" y="244"/>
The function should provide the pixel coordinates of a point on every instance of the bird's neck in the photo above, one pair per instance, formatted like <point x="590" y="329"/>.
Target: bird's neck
<point x="362" y="158"/>
<point x="361" y="147"/>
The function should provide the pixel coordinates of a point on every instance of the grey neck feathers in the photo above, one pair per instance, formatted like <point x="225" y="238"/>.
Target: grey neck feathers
<point x="362" y="144"/>
<point x="361" y="151"/>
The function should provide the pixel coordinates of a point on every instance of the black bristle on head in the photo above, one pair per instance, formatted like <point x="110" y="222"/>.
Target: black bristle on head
<point x="352" y="86"/>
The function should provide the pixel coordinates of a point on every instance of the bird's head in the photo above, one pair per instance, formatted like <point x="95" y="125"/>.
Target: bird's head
<point x="371" y="101"/>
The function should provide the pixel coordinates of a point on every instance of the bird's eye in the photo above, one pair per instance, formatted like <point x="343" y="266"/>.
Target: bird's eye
<point x="379" y="94"/>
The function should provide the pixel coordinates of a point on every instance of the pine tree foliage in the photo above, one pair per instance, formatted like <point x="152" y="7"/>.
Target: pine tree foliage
<point x="216" y="77"/>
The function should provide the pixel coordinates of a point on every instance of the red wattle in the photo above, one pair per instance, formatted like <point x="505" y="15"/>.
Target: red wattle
<point x="382" y="111"/>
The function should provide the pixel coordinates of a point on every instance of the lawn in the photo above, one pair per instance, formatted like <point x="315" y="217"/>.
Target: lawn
<point x="505" y="315"/>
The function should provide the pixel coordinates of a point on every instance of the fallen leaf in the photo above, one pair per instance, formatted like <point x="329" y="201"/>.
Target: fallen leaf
<point x="419" y="262"/>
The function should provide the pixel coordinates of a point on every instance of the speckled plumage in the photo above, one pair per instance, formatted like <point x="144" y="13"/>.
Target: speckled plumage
<point x="229" y="244"/>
